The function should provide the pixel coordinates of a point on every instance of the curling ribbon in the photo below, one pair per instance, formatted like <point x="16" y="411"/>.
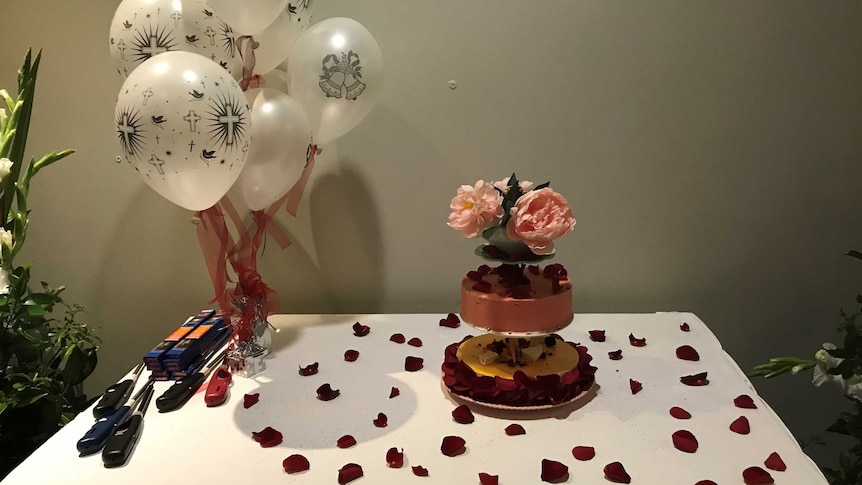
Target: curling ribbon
<point x="247" y="44"/>
<point x="215" y="242"/>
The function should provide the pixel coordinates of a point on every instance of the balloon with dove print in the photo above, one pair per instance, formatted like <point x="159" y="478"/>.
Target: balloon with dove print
<point x="276" y="41"/>
<point x="142" y="29"/>
<point x="183" y="124"/>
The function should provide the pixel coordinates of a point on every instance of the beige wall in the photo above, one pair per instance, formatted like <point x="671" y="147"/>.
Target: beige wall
<point x="711" y="151"/>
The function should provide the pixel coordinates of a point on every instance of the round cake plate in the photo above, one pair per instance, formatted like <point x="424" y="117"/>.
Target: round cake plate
<point x="479" y="252"/>
<point x="520" y="334"/>
<point x="505" y="407"/>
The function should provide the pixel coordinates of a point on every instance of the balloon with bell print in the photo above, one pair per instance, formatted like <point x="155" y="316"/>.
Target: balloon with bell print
<point x="183" y="124"/>
<point x="142" y="29"/>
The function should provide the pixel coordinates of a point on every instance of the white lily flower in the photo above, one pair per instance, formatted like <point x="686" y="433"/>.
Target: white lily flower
<point x="5" y="238"/>
<point x="5" y="167"/>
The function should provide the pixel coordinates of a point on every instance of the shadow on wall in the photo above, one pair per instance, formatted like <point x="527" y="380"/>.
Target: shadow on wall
<point x="346" y="230"/>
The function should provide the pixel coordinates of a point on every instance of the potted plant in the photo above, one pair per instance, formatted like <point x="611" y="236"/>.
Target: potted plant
<point x="44" y="357"/>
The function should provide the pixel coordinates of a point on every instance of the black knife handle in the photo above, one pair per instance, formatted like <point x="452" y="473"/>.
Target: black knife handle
<point x="180" y="392"/>
<point x="114" y="397"/>
<point x="122" y="442"/>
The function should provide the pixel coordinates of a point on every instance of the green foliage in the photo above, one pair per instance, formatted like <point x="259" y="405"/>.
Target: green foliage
<point x="44" y="358"/>
<point x="847" y="423"/>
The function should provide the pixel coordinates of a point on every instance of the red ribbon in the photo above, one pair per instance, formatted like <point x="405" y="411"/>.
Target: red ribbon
<point x="246" y="46"/>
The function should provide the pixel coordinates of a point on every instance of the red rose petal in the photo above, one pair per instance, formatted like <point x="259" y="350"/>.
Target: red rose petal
<point x="453" y="445"/>
<point x="397" y="338"/>
<point x="250" y="400"/>
<point x="774" y="462"/>
<point x="308" y="370"/>
<point x="515" y="429"/>
<point x="740" y="425"/>
<point x="382" y="421"/>
<point x="706" y="482"/>
<point x="584" y="453"/>
<point x="485" y="479"/>
<point x="683" y="440"/>
<point x="756" y="476"/>
<point x="695" y="379"/>
<point x="267" y="438"/>
<point x="616" y="354"/>
<point x="463" y="415"/>
<point x="554" y="471"/>
<point x="687" y="352"/>
<point x="637" y="342"/>
<point x="415" y="342"/>
<point x="450" y="321"/>
<point x="348" y="473"/>
<point x="395" y="458"/>
<point x="616" y="473"/>
<point x="635" y="386"/>
<point x="360" y="331"/>
<point x="679" y="413"/>
<point x="420" y="471"/>
<point x="351" y="355"/>
<point x="327" y="393"/>
<point x="684" y="327"/>
<point x="413" y="364"/>
<point x="597" y="335"/>
<point x="346" y="441"/>
<point x="295" y="464"/>
<point x="744" y="401"/>
<point x="394" y="392"/>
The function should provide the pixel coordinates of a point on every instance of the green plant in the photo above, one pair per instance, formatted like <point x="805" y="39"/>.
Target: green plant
<point x="841" y="366"/>
<point x="43" y="359"/>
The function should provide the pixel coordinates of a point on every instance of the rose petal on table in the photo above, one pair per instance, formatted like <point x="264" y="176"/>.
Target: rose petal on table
<point x="268" y="437"/>
<point x="351" y="355"/>
<point x="684" y="440"/>
<point x="397" y="338"/>
<point x="679" y="413"/>
<point x="584" y="453"/>
<point x="635" y="386"/>
<point x="695" y="379"/>
<point x="554" y="471"/>
<point x="382" y="421"/>
<point x="450" y="321"/>
<point x="361" y="330"/>
<point x="463" y="415"/>
<point x="413" y="364"/>
<point x="395" y="458"/>
<point x="415" y="342"/>
<point x="308" y="370"/>
<point x="740" y="425"/>
<point x="616" y="354"/>
<point x="453" y="445"/>
<point x="420" y="471"/>
<point x="706" y="482"/>
<point x="616" y="473"/>
<point x="637" y="342"/>
<point x="774" y="462"/>
<point x="515" y="429"/>
<point x="687" y="352"/>
<point x="250" y="400"/>
<point x="327" y="393"/>
<point x="295" y="464"/>
<point x="597" y="335"/>
<point x="394" y="392"/>
<point x="744" y="401"/>
<point x="486" y="479"/>
<point x="348" y="473"/>
<point x="684" y="327"/>
<point x="756" y="476"/>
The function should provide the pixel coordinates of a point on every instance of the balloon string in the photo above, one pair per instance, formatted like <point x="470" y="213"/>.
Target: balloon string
<point x="246" y="44"/>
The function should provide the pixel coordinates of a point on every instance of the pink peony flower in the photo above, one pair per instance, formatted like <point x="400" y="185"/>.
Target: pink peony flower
<point x="503" y="185"/>
<point x="539" y="217"/>
<point x="475" y="209"/>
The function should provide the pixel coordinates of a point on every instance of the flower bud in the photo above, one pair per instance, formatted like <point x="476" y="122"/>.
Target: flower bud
<point x="5" y="167"/>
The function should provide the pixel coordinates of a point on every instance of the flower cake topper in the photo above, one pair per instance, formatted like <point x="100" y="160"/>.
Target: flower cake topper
<point x="519" y="219"/>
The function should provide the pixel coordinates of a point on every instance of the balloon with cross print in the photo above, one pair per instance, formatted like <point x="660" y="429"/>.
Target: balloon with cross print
<point x="144" y="28"/>
<point x="183" y="124"/>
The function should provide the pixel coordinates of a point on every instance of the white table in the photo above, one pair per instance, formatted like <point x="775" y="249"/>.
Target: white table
<point x="213" y="445"/>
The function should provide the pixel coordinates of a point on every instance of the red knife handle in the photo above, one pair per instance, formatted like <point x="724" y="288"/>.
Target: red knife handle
<point x="216" y="393"/>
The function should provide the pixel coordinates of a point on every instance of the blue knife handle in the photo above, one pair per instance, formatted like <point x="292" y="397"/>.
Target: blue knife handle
<point x="102" y="429"/>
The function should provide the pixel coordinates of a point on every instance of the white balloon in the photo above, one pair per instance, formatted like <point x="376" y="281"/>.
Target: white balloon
<point x="183" y="124"/>
<point x="141" y="29"/>
<point x="335" y="71"/>
<point x="249" y="16"/>
<point x="275" y="79"/>
<point x="276" y="41"/>
<point x="281" y="148"/>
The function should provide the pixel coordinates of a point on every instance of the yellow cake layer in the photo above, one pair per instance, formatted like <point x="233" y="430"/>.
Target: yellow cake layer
<point x="559" y="359"/>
